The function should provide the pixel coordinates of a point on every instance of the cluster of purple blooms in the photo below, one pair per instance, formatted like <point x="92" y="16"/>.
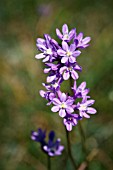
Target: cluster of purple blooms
<point x="52" y="147"/>
<point x="61" y="64"/>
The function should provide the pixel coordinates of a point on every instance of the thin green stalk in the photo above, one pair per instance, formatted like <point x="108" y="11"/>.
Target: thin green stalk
<point x="82" y="135"/>
<point x="49" y="163"/>
<point x="69" y="150"/>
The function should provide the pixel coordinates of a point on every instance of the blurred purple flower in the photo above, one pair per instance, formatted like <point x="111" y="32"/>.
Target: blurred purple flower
<point x="66" y="35"/>
<point x="52" y="147"/>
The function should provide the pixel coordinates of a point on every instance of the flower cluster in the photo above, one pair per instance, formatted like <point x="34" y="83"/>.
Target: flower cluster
<point x="52" y="147"/>
<point x="61" y="64"/>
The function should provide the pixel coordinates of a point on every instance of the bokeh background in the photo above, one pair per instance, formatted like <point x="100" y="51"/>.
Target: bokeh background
<point x="21" y="107"/>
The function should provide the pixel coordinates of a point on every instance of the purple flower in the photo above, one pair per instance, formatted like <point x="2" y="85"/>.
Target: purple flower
<point x="48" y="95"/>
<point x="63" y="104"/>
<point x="82" y="42"/>
<point x="66" y="35"/>
<point x="46" y="47"/>
<point x="67" y="53"/>
<point x="53" y="148"/>
<point x="71" y="120"/>
<point x="67" y="71"/>
<point x="39" y="136"/>
<point x="80" y="91"/>
<point x="84" y="108"/>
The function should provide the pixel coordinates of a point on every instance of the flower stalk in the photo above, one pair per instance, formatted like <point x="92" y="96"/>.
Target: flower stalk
<point x="69" y="150"/>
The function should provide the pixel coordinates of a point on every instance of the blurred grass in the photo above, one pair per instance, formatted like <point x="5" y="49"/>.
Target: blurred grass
<point x="21" y="107"/>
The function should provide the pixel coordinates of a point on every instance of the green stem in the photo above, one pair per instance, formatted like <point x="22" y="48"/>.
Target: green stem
<point x="69" y="150"/>
<point x="49" y="163"/>
<point x="82" y="135"/>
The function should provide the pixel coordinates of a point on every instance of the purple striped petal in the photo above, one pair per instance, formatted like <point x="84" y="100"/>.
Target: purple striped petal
<point x="64" y="59"/>
<point x="69" y="109"/>
<point x="91" y="110"/>
<point x="86" y="115"/>
<point x="55" y="109"/>
<point x="50" y="78"/>
<point x="77" y="67"/>
<point x="76" y="53"/>
<point x="62" y="113"/>
<point x="66" y="75"/>
<point x="61" y="52"/>
<point x="46" y="70"/>
<point x="38" y="56"/>
<point x="65" y="46"/>
<point x="56" y="101"/>
<point x="46" y="58"/>
<point x="72" y="59"/>
<point x="69" y="126"/>
<point x="72" y="47"/>
<point x="69" y="102"/>
<point x="65" y="29"/>
<point x="40" y="41"/>
<point x="80" y="36"/>
<point x="72" y="33"/>
<point x="63" y="97"/>
<point x="82" y="85"/>
<point x="62" y="69"/>
<point x="86" y="40"/>
<point x="74" y="75"/>
<point x="42" y="93"/>
<point x="90" y="102"/>
<point x="58" y="33"/>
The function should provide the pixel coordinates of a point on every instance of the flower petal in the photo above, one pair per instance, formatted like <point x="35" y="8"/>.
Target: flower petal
<point x="56" y="101"/>
<point x="64" y="59"/>
<point x="72" y="33"/>
<point x="91" y="110"/>
<point x="65" y="29"/>
<point x="58" y="33"/>
<point x="61" y="52"/>
<point x="72" y="59"/>
<point x="65" y="46"/>
<point x="62" y="113"/>
<point x="66" y="75"/>
<point x="69" y="126"/>
<point x="63" y="97"/>
<point x="55" y="109"/>
<point x="38" y="56"/>
<point x="74" y="75"/>
<point x="50" y="78"/>
<point x="86" y="115"/>
<point x="69" y="109"/>
<point x="76" y="53"/>
<point x="86" y="40"/>
<point x="72" y="47"/>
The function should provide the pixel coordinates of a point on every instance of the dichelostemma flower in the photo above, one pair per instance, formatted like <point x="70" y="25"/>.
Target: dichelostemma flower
<point x="63" y="104"/>
<point x="52" y="147"/>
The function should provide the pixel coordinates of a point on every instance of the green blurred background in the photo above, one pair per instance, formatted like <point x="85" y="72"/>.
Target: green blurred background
<point x="21" y="107"/>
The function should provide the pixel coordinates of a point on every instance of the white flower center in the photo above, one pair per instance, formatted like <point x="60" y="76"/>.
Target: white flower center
<point x="55" y="85"/>
<point x="68" y="53"/>
<point x="70" y="68"/>
<point x="83" y="107"/>
<point x="65" y="36"/>
<point x="63" y="105"/>
<point x="49" y="51"/>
